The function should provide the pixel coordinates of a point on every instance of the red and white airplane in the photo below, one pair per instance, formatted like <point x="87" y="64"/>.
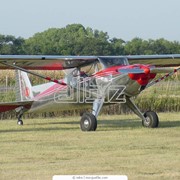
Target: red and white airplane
<point x="89" y="81"/>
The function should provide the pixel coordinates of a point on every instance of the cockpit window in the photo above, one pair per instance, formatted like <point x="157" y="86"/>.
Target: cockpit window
<point x="113" y="61"/>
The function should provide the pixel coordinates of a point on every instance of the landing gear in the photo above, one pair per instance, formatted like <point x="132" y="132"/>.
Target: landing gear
<point x="20" y="122"/>
<point x="88" y="122"/>
<point x="151" y="120"/>
<point x="20" y="112"/>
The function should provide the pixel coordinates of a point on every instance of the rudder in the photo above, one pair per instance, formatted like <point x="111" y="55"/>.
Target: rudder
<point x="23" y="86"/>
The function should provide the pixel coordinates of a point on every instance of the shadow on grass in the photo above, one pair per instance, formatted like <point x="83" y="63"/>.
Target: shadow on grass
<point x="120" y="123"/>
<point x="37" y="129"/>
<point x="109" y="124"/>
<point x="169" y="124"/>
<point x="133" y="123"/>
<point x="137" y="123"/>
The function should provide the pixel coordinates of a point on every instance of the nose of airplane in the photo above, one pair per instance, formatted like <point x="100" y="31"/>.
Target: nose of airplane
<point x="146" y="70"/>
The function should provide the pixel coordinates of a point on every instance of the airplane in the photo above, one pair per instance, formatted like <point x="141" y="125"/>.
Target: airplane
<point x="89" y="82"/>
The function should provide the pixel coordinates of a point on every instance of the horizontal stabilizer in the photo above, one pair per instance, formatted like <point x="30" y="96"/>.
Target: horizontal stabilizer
<point x="13" y="105"/>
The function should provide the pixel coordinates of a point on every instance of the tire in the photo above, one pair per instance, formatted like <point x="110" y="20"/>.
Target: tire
<point x="88" y="122"/>
<point x="20" y="122"/>
<point x="152" y="120"/>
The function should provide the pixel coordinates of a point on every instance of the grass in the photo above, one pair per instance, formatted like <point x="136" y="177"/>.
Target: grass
<point x="161" y="97"/>
<point x="120" y="146"/>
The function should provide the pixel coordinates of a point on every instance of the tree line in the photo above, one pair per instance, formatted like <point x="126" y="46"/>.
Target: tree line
<point x="75" y="39"/>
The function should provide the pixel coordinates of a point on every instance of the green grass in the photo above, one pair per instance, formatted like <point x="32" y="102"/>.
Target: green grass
<point x="120" y="146"/>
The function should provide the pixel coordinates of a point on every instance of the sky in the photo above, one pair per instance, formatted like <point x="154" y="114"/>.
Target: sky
<point x="125" y="19"/>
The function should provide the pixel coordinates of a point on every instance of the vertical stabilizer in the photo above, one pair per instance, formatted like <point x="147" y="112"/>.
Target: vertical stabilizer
<point x="23" y="87"/>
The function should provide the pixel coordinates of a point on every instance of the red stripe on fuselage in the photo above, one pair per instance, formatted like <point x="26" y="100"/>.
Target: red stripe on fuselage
<point x="53" y="89"/>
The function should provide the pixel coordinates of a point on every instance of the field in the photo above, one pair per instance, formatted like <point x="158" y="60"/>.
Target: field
<point x="120" y="146"/>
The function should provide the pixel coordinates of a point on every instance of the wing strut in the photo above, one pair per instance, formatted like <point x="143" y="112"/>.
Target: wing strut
<point x="162" y="78"/>
<point x="35" y="74"/>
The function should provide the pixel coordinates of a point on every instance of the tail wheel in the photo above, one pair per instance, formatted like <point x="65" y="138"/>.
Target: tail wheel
<point x="151" y="120"/>
<point x="88" y="122"/>
<point x="20" y="122"/>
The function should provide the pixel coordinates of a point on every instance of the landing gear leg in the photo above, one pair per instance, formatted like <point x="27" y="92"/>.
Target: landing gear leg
<point x="20" y="113"/>
<point x="149" y="118"/>
<point x="88" y="120"/>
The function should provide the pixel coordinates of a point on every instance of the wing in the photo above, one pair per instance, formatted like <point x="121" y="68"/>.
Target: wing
<point x="169" y="60"/>
<point x="66" y="62"/>
<point x="13" y="105"/>
<point x="45" y="62"/>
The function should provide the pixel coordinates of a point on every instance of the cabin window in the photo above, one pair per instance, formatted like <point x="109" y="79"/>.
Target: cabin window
<point x="113" y="61"/>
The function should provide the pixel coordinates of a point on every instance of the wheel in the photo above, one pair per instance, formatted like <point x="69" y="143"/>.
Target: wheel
<point x="152" y="120"/>
<point x="20" y="122"/>
<point x="88" y="122"/>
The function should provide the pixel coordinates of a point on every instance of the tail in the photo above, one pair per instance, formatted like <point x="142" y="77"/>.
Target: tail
<point x="23" y="87"/>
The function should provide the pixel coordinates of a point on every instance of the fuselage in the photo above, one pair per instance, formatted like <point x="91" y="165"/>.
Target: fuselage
<point x="111" y="83"/>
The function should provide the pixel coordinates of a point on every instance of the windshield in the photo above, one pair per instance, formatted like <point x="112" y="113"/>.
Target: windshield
<point x="113" y="61"/>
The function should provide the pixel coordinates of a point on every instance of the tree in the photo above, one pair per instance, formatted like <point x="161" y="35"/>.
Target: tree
<point x="136" y="46"/>
<point x="74" y="39"/>
<point x="118" y="46"/>
<point x="162" y="46"/>
<point x="11" y="45"/>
